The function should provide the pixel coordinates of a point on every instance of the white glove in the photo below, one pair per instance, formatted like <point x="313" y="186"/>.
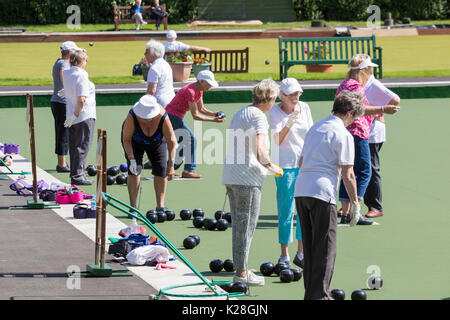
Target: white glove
<point x="354" y="214"/>
<point x="133" y="167"/>
<point x="61" y="93"/>
<point x="292" y="118"/>
<point x="69" y="122"/>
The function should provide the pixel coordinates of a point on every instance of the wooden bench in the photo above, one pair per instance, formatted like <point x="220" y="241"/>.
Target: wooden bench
<point x="122" y="14"/>
<point x="226" y="61"/>
<point x="333" y="50"/>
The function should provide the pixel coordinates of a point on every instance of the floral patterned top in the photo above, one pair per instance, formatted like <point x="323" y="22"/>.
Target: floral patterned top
<point x="361" y="126"/>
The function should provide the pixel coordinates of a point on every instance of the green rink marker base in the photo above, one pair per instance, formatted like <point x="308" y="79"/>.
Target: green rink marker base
<point x="40" y="204"/>
<point x="95" y="270"/>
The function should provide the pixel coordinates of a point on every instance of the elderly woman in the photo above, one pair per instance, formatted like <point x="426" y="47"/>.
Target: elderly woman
<point x="137" y="13"/>
<point x="58" y="105"/>
<point x="244" y="172"/>
<point x="148" y="129"/>
<point x="172" y="45"/>
<point x="289" y="121"/>
<point x="159" y="78"/>
<point x="80" y="115"/>
<point x="190" y="98"/>
<point x="360" y="71"/>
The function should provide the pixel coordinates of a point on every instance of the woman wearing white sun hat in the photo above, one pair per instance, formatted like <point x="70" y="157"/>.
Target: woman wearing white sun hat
<point x="147" y="128"/>
<point x="290" y="121"/>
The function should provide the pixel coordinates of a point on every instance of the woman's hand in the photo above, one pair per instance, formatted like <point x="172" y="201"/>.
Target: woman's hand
<point x="170" y="171"/>
<point x="390" y="109"/>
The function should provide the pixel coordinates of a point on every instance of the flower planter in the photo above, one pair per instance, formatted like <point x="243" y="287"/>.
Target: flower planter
<point x="180" y="71"/>
<point x="319" y="68"/>
<point x="196" y="68"/>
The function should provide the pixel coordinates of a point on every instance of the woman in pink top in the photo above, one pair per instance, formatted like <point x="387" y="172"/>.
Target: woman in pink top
<point x="190" y="98"/>
<point x="360" y="71"/>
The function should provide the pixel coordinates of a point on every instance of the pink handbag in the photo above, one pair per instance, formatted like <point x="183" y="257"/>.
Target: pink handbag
<point x="70" y="195"/>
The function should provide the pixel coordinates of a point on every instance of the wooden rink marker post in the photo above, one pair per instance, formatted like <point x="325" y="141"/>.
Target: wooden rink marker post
<point x="35" y="203"/>
<point x="99" y="268"/>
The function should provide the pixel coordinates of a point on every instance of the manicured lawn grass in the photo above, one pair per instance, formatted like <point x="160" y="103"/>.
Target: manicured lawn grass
<point x="112" y="62"/>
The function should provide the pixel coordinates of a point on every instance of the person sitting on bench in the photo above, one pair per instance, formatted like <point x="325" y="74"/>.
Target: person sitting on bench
<point x="137" y="14"/>
<point x="158" y="13"/>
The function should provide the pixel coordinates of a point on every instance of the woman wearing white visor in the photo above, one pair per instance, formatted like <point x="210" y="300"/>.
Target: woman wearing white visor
<point x="360" y="71"/>
<point x="289" y="121"/>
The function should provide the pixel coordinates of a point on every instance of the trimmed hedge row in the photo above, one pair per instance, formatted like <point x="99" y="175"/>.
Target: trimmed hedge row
<point x="36" y="12"/>
<point x="355" y="10"/>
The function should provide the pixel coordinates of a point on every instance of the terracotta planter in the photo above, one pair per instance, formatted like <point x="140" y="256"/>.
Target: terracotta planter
<point x="180" y="71"/>
<point x="319" y="68"/>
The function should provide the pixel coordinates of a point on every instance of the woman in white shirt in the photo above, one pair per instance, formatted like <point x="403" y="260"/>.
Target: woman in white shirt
<point x="80" y="115"/>
<point x="244" y="171"/>
<point x="289" y="121"/>
<point x="159" y="78"/>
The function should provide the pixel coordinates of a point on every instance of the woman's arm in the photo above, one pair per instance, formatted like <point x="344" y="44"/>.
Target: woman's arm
<point x="171" y="140"/>
<point x="262" y="155"/>
<point x="151" y="88"/>
<point x="389" y="109"/>
<point x="127" y="135"/>
<point x="202" y="109"/>
<point x="198" y="116"/>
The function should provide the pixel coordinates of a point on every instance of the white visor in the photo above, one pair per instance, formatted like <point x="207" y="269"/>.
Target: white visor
<point x="366" y="63"/>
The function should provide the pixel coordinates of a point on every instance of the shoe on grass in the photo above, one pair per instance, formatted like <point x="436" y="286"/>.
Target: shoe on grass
<point x="251" y="279"/>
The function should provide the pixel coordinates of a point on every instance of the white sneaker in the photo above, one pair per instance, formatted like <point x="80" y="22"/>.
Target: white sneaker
<point x="144" y="23"/>
<point x="137" y="28"/>
<point x="251" y="279"/>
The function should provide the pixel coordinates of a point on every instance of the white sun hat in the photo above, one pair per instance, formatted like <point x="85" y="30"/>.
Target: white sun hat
<point x="289" y="86"/>
<point x="69" y="45"/>
<point x="208" y="76"/>
<point x="171" y="34"/>
<point x="147" y="107"/>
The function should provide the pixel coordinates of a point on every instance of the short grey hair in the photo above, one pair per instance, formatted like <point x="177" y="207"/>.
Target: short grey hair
<point x="347" y="101"/>
<point x="265" y="91"/>
<point x="155" y="48"/>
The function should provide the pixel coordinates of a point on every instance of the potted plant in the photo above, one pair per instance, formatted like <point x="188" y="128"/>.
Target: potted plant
<point x="200" y="64"/>
<point x="318" y="52"/>
<point x="181" y="63"/>
<point x="141" y="68"/>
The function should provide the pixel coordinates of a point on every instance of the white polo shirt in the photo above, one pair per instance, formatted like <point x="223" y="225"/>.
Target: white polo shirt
<point x="328" y="146"/>
<point x="161" y="74"/>
<point x="175" y="46"/>
<point x="377" y="95"/>
<point x="287" y="154"/>
<point x="241" y="164"/>
<point x="77" y="84"/>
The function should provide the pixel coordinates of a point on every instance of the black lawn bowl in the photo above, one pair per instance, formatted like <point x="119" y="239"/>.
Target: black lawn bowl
<point x="170" y="214"/>
<point x="198" y="222"/>
<point x="359" y="295"/>
<point x="91" y="170"/>
<point x="216" y="265"/>
<point x="152" y="216"/>
<point x="280" y="266"/>
<point x="228" y="265"/>
<point x="110" y="180"/>
<point x="162" y="216"/>
<point x="297" y="274"/>
<point x="222" y="225"/>
<point x="239" y="287"/>
<point x="121" y="178"/>
<point x="197" y="238"/>
<point x="219" y="214"/>
<point x="267" y="268"/>
<point x="338" y="294"/>
<point x="286" y="275"/>
<point x="189" y="243"/>
<point x="185" y="214"/>
<point x="198" y="213"/>
<point x="113" y="171"/>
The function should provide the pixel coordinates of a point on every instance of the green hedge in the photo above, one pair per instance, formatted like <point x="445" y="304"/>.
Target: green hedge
<point x="39" y="12"/>
<point x="355" y="10"/>
<point x="35" y="12"/>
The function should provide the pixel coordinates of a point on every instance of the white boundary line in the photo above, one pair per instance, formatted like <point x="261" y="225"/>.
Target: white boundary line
<point x="158" y="279"/>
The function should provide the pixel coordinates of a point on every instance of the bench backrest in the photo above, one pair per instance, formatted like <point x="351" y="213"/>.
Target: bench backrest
<point x="226" y="61"/>
<point x="324" y="50"/>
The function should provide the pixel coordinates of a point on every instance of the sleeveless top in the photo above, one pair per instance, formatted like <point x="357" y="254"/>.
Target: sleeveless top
<point x="139" y="135"/>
